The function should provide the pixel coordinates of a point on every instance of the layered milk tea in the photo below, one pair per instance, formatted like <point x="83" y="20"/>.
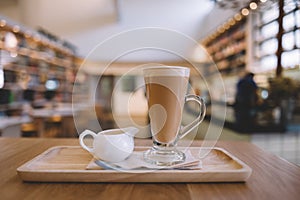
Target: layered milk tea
<point x="165" y="96"/>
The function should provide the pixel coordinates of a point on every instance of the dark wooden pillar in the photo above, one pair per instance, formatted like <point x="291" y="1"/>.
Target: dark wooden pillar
<point x="279" y="38"/>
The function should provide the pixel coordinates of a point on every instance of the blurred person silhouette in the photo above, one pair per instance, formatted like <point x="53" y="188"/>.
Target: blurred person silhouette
<point x="245" y="103"/>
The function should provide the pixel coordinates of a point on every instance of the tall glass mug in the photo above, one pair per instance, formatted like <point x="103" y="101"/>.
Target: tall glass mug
<point x="166" y="88"/>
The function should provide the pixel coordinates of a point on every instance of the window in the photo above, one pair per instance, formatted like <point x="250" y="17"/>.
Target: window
<point x="267" y="37"/>
<point x="269" y="46"/>
<point x="269" y="30"/>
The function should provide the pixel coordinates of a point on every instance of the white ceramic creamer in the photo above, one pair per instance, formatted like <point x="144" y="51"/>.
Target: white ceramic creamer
<point x="113" y="145"/>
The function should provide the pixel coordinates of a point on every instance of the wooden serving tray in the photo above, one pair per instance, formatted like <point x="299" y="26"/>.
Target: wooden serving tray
<point x="68" y="164"/>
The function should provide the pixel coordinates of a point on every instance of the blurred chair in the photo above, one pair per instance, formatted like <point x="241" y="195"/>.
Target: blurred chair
<point x="53" y="126"/>
<point x="104" y="117"/>
<point x="28" y="130"/>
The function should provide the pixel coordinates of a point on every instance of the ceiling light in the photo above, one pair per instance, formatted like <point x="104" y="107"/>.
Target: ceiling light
<point x="16" y="29"/>
<point x="221" y="30"/>
<point x="237" y="17"/>
<point x="2" y="23"/>
<point x="253" y="5"/>
<point x="263" y="1"/>
<point x="226" y="26"/>
<point x="27" y="34"/>
<point x="37" y="38"/>
<point x="231" y="22"/>
<point x="245" y="11"/>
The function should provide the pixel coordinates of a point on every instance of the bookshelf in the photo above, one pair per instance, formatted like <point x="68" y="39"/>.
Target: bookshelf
<point x="228" y="49"/>
<point x="35" y="61"/>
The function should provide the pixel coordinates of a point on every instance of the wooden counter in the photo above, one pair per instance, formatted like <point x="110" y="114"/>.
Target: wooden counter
<point x="272" y="177"/>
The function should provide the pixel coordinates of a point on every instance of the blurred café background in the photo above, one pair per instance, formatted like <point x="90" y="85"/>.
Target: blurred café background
<point x="51" y="78"/>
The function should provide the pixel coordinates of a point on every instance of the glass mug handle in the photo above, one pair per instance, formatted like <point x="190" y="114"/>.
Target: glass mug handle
<point x="188" y="128"/>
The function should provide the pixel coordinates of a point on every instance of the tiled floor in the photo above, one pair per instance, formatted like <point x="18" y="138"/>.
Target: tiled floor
<point x="285" y="145"/>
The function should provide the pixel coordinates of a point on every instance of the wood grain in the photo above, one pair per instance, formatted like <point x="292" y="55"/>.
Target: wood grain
<point x="68" y="164"/>
<point x="272" y="177"/>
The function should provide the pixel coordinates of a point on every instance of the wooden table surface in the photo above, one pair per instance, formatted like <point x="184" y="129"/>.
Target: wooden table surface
<point x="272" y="177"/>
